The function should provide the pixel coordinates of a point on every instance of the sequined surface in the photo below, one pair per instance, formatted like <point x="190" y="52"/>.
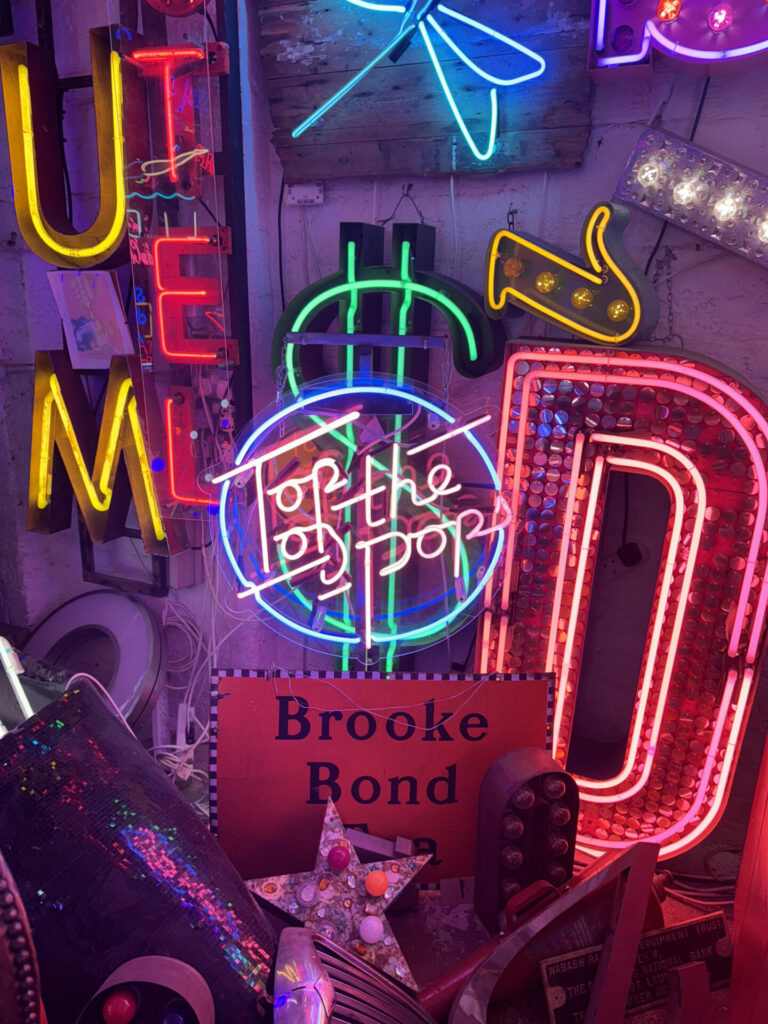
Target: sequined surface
<point x="570" y="418"/>
<point x="112" y="864"/>
<point x="347" y="905"/>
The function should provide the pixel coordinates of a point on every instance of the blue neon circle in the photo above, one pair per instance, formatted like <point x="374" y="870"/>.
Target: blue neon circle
<point x="323" y="396"/>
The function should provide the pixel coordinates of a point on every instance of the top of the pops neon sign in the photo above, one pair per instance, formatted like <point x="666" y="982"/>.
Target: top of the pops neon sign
<point x="363" y="518"/>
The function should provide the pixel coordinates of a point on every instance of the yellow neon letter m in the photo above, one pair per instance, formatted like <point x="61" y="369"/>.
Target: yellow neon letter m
<point x="70" y="453"/>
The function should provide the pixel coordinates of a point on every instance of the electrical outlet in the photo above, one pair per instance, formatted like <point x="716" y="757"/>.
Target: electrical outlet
<point x="307" y="194"/>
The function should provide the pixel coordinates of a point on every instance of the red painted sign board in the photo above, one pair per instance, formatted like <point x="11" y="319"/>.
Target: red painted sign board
<point x="400" y="756"/>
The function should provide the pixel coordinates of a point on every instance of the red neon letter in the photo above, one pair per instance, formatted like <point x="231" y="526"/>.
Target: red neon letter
<point x="182" y="473"/>
<point x="569" y="418"/>
<point x="175" y="291"/>
<point x="173" y="66"/>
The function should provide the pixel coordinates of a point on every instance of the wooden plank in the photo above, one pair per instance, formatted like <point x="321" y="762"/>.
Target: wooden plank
<point x="397" y="119"/>
<point x="393" y="96"/>
<point x="535" y="150"/>
<point x="310" y="36"/>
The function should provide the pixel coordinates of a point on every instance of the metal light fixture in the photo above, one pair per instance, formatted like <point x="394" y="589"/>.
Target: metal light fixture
<point x="699" y="191"/>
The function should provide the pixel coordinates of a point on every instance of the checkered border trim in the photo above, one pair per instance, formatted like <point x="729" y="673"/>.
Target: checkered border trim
<point x="443" y="677"/>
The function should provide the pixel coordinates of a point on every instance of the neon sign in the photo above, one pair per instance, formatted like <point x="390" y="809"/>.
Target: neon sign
<point x="334" y="496"/>
<point x="61" y="420"/>
<point x="29" y="89"/>
<point x="477" y="343"/>
<point x="175" y="291"/>
<point x="174" y="67"/>
<point x="699" y="192"/>
<point x="419" y="17"/>
<point x="608" y="300"/>
<point x="687" y="31"/>
<point x="570" y="418"/>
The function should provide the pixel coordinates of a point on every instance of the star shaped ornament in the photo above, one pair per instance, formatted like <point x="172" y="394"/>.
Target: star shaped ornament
<point x="344" y="899"/>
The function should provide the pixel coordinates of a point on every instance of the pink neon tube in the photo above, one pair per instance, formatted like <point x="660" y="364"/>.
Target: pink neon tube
<point x="596" y="846"/>
<point x="565" y="547"/>
<point x="734" y="421"/>
<point x="676" y="493"/>
<point x="586" y="544"/>
<point x="614" y="359"/>
<point x="639" y="719"/>
<point x="509" y="546"/>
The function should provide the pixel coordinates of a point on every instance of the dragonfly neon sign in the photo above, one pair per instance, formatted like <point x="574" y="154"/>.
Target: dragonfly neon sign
<point x="338" y="494"/>
<point x="437" y="23"/>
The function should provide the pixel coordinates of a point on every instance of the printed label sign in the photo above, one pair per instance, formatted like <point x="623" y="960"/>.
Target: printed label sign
<point x="399" y="756"/>
<point x="568" y="979"/>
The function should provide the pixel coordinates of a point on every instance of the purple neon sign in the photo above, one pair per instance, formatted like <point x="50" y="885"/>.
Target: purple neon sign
<point x="624" y="32"/>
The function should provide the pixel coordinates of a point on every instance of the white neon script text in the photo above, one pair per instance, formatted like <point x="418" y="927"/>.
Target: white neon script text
<point x="382" y="486"/>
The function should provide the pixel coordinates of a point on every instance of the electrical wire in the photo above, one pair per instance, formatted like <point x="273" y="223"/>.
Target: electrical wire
<point x="696" y="120"/>
<point x="280" y="240"/>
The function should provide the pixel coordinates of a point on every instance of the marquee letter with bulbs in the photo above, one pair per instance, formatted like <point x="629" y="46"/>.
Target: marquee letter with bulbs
<point x="607" y="299"/>
<point x="701" y="33"/>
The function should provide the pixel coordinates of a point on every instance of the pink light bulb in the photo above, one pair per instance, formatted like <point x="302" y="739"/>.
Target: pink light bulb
<point x="720" y="17"/>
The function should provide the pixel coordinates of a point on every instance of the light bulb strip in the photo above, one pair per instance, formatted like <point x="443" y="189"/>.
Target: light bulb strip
<point x="718" y="189"/>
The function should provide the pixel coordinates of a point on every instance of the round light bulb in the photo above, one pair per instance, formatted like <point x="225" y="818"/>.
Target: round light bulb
<point x="513" y="267"/>
<point x="648" y="174"/>
<point x="618" y="310"/>
<point x="725" y="208"/>
<point x="582" y="298"/>
<point x="668" y="10"/>
<point x="720" y="17"/>
<point x="546" y="282"/>
<point x="376" y="883"/>
<point x="687" y="192"/>
<point x="762" y="230"/>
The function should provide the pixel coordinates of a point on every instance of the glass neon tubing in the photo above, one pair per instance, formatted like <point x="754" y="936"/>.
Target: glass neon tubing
<point x="172" y="464"/>
<point x="670" y="452"/>
<point x="722" y="786"/>
<point x="565" y="547"/>
<point x="301" y="404"/>
<point x="682" y="600"/>
<point x="30" y="165"/>
<point x="382" y="8"/>
<point x="722" y="411"/>
<point x="721" y="386"/>
<point x="600" y="25"/>
<point x="637" y="366"/>
<point x="123" y="405"/>
<point x="676" y="492"/>
<point x="486" y="30"/>
<point x="402" y="323"/>
<point x="584" y="551"/>
<point x="676" y="49"/>
<point x="430" y="295"/>
<point x="596" y="225"/>
<point x="486" y="155"/>
<point x="329" y="104"/>
<point x="164" y="293"/>
<point x="500" y="464"/>
<point x="408" y="287"/>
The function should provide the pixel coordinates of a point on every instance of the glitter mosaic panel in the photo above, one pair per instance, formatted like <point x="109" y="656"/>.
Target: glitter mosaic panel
<point x="112" y="864"/>
<point x="570" y="418"/>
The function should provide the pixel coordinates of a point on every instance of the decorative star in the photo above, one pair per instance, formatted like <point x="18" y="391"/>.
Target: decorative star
<point x="344" y="899"/>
